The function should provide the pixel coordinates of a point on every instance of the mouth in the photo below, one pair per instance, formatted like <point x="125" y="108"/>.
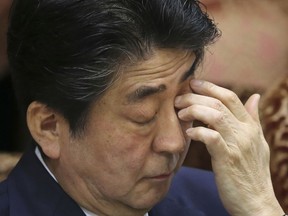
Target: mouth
<point x="162" y="177"/>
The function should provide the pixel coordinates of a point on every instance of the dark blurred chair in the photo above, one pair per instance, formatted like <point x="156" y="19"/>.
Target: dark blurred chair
<point x="274" y="116"/>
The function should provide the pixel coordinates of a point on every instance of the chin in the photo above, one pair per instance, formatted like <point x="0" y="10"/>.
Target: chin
<point x="146" y="205"/>
<point x="151" y="198"/>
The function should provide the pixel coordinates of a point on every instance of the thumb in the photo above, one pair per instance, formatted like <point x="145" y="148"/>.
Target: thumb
<point x="252" y="106"/>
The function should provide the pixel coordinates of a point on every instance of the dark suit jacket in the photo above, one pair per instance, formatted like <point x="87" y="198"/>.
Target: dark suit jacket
<point x="29" y="190"/>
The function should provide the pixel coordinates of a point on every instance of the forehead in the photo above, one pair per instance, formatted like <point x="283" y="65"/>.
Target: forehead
<point x="162" y="65"/>
<point x="163" y="70"/>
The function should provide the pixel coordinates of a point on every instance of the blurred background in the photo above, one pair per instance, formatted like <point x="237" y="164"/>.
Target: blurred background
<point x="4" y="11"/>
<point x="251" y="56"/>
<point x="13" y="132"/>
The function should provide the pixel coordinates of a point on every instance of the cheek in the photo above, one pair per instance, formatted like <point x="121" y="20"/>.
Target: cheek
<point x="119" y="148"/>
<point x="131" y="149"/>
<point x="120" y="155"/>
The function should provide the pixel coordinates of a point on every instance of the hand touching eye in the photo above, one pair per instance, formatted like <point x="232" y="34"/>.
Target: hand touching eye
<point x="238" y="149"/>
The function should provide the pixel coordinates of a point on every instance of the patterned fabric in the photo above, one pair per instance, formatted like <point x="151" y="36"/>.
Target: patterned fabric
<point x="275" y="125"/>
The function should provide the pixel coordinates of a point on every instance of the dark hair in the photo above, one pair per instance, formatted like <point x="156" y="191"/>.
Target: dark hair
<point x="66" y="53"/>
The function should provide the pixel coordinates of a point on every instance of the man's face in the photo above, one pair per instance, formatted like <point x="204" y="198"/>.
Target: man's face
<point x="134" y="142"/>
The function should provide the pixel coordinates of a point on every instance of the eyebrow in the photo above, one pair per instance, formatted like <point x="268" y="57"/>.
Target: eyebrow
<point x="143" y="92"/>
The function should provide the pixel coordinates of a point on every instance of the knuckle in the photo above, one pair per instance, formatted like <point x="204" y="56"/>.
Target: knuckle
<point x="215" y="138"/>
<point x="217" y="104"/>
<point x="210" y="86"/>
<point x="190" y="110"/>
<point x="210" y="136"/>
<point x="219" y="118"/>
<point x="232" y="97"/>
<point x="188" y="113"/>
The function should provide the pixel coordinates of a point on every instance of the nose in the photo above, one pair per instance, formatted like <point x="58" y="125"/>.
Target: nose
<point x="170" y="137"/>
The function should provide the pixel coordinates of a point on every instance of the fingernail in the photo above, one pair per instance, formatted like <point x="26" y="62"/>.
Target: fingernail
<point x="177" y="100"/>
<point x="181" y="113"/>
<point x="189" y="131"/>
<point x="196" y="82"/>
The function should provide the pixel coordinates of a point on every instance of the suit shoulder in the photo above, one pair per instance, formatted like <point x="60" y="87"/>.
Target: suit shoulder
<point x="195" y="177"/>
<point x="197" y="188"/>
<point x="4" y="204"/>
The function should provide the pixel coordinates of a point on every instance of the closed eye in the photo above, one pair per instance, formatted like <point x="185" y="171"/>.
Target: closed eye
<point x="146" y="122"/>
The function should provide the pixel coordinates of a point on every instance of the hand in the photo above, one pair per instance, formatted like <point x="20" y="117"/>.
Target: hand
<point x="238" y="149"/>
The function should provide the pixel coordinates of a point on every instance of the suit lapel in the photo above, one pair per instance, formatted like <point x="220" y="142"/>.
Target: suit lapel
<point x="32" y="191"/>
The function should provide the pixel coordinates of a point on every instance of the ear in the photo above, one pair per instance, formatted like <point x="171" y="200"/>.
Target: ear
<point x="44" y="125"/>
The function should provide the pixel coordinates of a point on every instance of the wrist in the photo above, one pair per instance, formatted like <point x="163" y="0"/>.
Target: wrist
<point x="264" y="206"/>
<point x="271" y="207"/>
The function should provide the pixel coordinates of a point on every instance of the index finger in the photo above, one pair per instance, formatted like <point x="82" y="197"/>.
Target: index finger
<point x="227" y="97"/>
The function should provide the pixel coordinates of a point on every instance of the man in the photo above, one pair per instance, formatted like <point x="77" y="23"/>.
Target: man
<point x="107" y="86"/>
